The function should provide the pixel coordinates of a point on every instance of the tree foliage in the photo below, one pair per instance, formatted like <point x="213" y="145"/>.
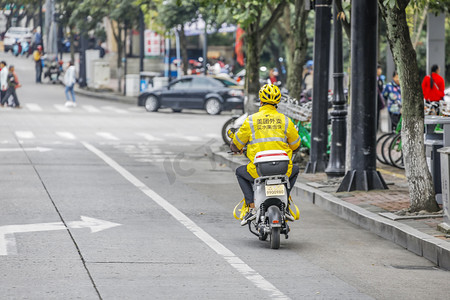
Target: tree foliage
<point x="20" y="9"/>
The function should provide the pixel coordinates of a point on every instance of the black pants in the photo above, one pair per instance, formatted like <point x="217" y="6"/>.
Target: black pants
<point x="38" y="67"/>
<point x="2" y="96"/>
<point x="11" y="91"/>
<point x="246" y="180"/>
<point x="394" y="120"/>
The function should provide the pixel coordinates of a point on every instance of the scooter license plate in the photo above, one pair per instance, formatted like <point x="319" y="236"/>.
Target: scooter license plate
<point x="275" y="190"/>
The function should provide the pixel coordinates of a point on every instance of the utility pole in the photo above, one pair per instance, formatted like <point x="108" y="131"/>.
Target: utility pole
<point x="336" y="164"/>
<point x="125" y="59"/>
<point x="363" y="174"/>
<point x="205" y="49"/>
<point x="319" y="123"/>
<point x="141" y="40"/>
<point x="41" y="25"/>
<point x="83" y="46"/>
<point x="177" y="40"/>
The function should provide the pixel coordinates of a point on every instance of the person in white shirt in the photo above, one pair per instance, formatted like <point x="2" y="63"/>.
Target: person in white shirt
<point x="3" y="81"/>
<point x="69" y="82"/>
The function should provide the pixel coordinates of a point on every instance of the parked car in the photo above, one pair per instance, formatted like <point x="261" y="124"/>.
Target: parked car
<point x="19" y="34"/>
<point x="214" y="94"/>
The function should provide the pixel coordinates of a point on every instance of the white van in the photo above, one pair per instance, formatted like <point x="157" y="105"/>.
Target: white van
<point x="16" y="33"/>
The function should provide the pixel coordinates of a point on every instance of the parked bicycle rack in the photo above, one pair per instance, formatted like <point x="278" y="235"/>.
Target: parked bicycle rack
<point x="299" y="112"/>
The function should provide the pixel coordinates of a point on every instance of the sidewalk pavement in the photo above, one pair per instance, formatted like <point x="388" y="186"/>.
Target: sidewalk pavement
<point x="372" y="210"/>
<point x="106" y="94"/>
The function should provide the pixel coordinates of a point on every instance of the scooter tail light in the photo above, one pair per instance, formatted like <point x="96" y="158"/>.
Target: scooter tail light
<point x="275" y="222"/>
<point x="272" y="154"/>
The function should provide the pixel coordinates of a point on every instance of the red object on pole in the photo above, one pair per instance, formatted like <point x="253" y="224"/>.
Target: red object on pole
<point x="238" y="46"/>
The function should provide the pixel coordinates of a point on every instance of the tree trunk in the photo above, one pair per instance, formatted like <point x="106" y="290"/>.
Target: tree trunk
<point x="10" y="16"/>
<point x="297" y="50"/>
<point x="72" y="46"/>
<point x="421" y="190"/>
<point x="183" y="48"/>
<point x="252" y="85"/>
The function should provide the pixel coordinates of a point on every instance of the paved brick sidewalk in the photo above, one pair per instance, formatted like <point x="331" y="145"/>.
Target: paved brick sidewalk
<point x="392" y="200"/>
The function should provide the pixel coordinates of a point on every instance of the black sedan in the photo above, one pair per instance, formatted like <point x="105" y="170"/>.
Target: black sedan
<point x="214" y="94"/>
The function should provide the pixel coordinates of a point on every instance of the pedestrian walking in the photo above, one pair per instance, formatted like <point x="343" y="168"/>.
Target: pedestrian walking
<point x="392" y="93"/>
<point x="36" y="39"/>
<point x="307" y="81"/>
<point x="433" y="85"/>
<point x="381" y="103"/>
<point x="13" y="84"/>
<point x="3" y="81"/>
<point x="69" y="81"/>
<point x="37" y="56"/>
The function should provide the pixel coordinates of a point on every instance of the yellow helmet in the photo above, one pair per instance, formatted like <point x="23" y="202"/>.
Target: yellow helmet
<point x="270" y="94"/>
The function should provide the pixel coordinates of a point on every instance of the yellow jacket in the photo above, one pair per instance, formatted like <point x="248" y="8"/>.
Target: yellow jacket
<point x="36" y="55"/>
<point x="267" y="130"/>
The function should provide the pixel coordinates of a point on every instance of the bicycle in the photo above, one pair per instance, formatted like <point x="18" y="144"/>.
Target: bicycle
<point x="389" y="145"/>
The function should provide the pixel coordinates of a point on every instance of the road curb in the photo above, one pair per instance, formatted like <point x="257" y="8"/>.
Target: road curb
<point x="430" y="247"/>
<point x="106" y="96"/>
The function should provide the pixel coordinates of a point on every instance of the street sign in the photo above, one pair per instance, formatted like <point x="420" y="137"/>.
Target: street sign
<point x="8" y="241"/>
<point x="154" y="43"/>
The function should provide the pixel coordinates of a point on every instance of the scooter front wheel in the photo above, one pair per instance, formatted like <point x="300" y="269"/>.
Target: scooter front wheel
<point x="228" y="124"/>
<point x="275" y="238"/>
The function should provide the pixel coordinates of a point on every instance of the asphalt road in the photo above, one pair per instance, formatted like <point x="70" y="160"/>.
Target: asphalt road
<point x="107" y="201"/>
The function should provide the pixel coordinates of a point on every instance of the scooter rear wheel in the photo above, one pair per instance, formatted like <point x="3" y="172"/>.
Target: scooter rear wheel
<point x="275" y="238"/>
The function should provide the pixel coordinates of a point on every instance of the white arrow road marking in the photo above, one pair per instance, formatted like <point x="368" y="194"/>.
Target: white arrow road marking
<point x="108" y="136"/>
<point x="94" y="224"/>
<point x="90" y="108"/>
<point x="33" y="107"/>
<point x="24" y="134"/>
<point x="231" y="258"/>
<point x="39" y="149"/>
<point x="149" y="137"/>
<point x="66" y="135"/>
<point x="8" y="242"/>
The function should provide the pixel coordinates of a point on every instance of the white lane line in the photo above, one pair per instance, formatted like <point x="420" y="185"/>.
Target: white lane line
<point x="214" y="244"/>
<point x="33" y="107"/>
<point x="66" y="135"/>
<point x="149" y="137"/>
<point x="107" y="135"/>
<point x="115" y="109"/>
<point x="25" y="134"/>
<point x="62" y="108"/>
<point x="90" y="108"/>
